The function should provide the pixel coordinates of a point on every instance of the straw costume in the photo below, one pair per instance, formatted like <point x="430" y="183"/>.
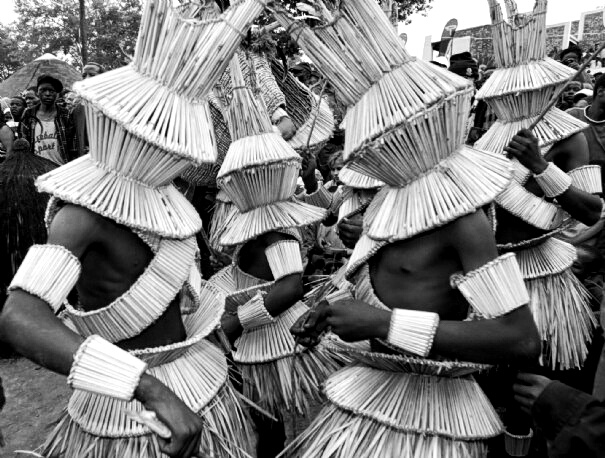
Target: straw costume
<point x="518" y="91"/>
<point x="147" y="122"/>
<point x="405" y="128"/>
<point x="259" y="176"/>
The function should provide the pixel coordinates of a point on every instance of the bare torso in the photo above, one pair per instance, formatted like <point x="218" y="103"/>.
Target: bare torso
<point x="110" y="266"/>
<point x="415" y="274"/>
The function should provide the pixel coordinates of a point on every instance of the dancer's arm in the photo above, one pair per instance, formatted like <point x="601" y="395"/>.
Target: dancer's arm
<point x="568" y="154"/>
<point x="29" y="325"/>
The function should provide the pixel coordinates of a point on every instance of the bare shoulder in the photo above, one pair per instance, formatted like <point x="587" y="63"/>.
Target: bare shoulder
<point x="75" y="228"/>
<point x="570" y="153"/>
<point x="473" y="238"/>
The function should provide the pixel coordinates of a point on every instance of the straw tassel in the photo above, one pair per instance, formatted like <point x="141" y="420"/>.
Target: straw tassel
<point x="49" y="272"/>
<point x="587" y="178"/>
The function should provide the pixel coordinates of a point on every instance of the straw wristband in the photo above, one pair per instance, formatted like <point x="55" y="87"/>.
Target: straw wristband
<point x="495" y="289"/>
<point x="105" y="369"/>
<point x="284" y="258"/>
<point x="413" y="331"/>
<point x="254" y="313"/>
<point x="587" y="178"/>
<point x="553" y="181"/>
<point x="48" y="272"/>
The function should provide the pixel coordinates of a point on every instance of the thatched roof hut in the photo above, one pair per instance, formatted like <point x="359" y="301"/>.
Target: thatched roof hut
<point x="27" y="75"/>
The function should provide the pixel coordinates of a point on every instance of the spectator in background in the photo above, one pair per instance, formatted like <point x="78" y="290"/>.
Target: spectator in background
<point x="572" y="57"/>
<point x="48" y="127"/>
<point x="31" y="97"/>
<point x="582" y="98"/>
<point x="464" y="65"/>
<point x="6" y="139"/>
<point x="92" y="69"/>
<point x="17" y="106"/>
<point x="567" y="97"/>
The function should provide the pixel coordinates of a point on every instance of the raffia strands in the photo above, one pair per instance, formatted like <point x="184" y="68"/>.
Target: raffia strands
<point x="316" y="130"/>
<point x="364" y="249"/>
<point x="552" y="256"/>
<point x="544" y="76"/>
<point x="408" y="402"/>
<point x="205" y="174"/>
<point x="531" y="208"/>
<point x="560" y="307"/>
<point x="170" y="52"/>
<point x="354" y="202"/>
<point x="520" y="173"/>
<point x="423" y="98"/>
<point x="146" y="300"/>
<point x="277" y="376"/>
<point x="358" y="180"/>
<point x="163" y="211"/>
<point x="221" y="219"/>
<point x="459" y="185"/>
<point x="353" y="48"/>
<point x="516" y="445"/>
<point x="510" y="108"/>
<point x="244" y="281"/>
<point x="587" y="178"/>
<point x="523" y="39"/>
<point x="556" y="125"/>
<point x="336" y="433"/>
<point x="257" y="76"/>
<point x="276" y="216"/>
<point x="253" y="187"/>
<point x="495" y="288"/>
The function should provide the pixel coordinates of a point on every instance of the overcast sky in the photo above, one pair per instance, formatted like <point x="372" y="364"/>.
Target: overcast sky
<point x="468" y="12"/>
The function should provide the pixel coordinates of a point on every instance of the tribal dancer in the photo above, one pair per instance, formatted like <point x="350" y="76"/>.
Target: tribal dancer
<point x="427" y="261"/>
<point x="264" y="282"/>
<point x="549" y="185"/>
<point x="146" y="382"/>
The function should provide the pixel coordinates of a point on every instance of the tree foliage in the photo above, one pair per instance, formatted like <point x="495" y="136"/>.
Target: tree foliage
<point x="52" y="26"/>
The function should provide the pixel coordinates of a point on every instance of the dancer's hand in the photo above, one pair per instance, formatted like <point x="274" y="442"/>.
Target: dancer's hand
<point x="349" y="230"/>
<point x="183" y="423"/>
<point x="528" y="389"/>
<point x="524" y="147"/>
<point x="353" y="320"/>
<point x="306" y="329"/>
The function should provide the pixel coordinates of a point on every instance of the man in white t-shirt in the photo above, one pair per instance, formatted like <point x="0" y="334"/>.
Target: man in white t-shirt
<point x="48" y="127"/>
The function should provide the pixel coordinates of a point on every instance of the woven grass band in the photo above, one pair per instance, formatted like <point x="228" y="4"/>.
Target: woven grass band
<point x="413" y="330"/>
<point x="254" y="313"/>
<point x="284" y="258"/>
<point x="495" y="289"/>
<point x="553" y="181"/>
<point x="587" y="178"/>
<point x="48" y="272"/>
<point x="103" y="368"/>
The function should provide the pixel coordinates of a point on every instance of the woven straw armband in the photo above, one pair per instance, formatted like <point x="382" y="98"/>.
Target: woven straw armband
<point x="284" y="258"/>
<point x="413" y="330"/>
<point x="553" y="181"/>
<point x="495" y="289"/>
<point x="254" y="313"/>
<point x="339" y="295"/>
<point x="48" y="272"/>
<point x="321" y="198"/>
<point x="587" y="178"/>
<point x="105" y="369"/>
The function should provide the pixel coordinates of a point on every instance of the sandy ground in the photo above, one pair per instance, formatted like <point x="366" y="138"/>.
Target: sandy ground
<point x="35" y="398"/>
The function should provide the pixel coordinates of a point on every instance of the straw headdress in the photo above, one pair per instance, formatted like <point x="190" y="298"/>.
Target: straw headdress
<point x="148" y="121"/>
<point x="525" y="81"/>
<point x="259" y="172"/>
<point x="406" y="125"/>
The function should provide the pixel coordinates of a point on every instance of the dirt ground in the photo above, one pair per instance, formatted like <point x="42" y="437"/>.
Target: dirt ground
<point x="35" y="398"/>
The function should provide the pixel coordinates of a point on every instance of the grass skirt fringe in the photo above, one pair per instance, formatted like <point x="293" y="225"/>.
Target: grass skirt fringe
<point x="226" y="434"/>
<point x="336" y="433"/>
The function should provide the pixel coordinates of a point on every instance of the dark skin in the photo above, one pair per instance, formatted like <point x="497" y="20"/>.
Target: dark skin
<point x="48" y="95"/>
<point x="7" y="138"/>
<point x="350" y="229"/>
<point x="17" y="108"/>
<point x="414" y="274"/>
<point x="283" y="294"/>
<point x="112" y="258"/>
<point x="567" y="154"/>
<point x="596" y="111"/>
<point x="31" y="98"/>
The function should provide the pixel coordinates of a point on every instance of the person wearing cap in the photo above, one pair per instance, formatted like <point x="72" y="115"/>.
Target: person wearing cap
<point x="582" y="98"/>
<point x="48" y="127"/>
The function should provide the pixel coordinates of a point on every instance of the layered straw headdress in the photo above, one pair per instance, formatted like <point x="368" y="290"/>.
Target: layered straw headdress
<point x="149" y="120"/>
<point x="259" y="172"/>
<point x="406" y="123"/>
<point x="525" y="81"/>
